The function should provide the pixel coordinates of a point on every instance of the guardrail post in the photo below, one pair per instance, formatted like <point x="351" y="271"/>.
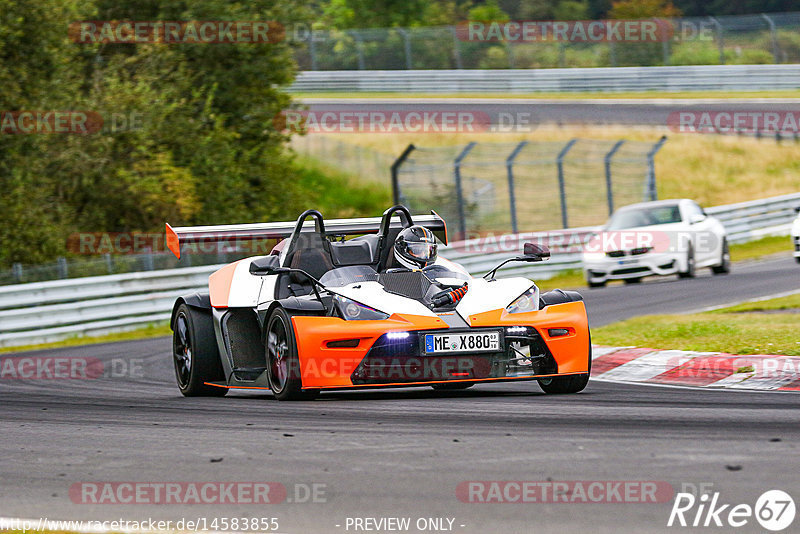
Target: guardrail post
<point x="456" y="49"/>
<point x="650" y="192"/>
<point x="512" y="199"/>
<point x="395" y="168"/>
<point x="607" y="162"/>
<point x="612" y="53"/>
<point x="16" y="271"/>
<point x="462" y="223"/>
<point x="407" y="47"/>
<point x="562" y="190"/>
<point x="720" y="39"/>
<point x="773" y="32"/>
<point x="109" y="263"/>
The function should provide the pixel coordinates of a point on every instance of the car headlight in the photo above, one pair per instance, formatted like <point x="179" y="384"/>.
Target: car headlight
<point x="351" y="310"/>
<point x="526" y="302"/>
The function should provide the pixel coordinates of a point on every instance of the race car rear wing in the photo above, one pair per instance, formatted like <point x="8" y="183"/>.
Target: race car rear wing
<point x="281" y="230"/>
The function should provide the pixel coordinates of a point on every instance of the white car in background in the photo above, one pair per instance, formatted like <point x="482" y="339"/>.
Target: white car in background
<point x="796" y="236"/>
<point x="656" y="238"/>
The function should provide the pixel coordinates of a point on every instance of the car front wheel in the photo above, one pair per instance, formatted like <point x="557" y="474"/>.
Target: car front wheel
<point x="283" y="367"/>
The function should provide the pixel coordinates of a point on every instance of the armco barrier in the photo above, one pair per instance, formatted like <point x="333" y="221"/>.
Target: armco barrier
<point x="49" y="311"/>
<point x="572" y="80"/>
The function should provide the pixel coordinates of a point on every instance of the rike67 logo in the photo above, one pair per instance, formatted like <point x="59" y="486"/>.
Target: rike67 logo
<point x="774" y="510"/>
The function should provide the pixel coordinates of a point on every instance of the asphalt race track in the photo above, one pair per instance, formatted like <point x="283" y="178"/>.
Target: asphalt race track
<point x="402" y="453"/>
<point x="625" y="112"/>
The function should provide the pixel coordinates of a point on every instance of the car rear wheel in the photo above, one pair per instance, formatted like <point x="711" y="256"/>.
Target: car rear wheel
<point x="455" y="386"/>
<point x="633" y="280"/>
<point x="595" y="284"/>
<point x="690" y="264"/>
<point x="283" y="364"/>
<point x="195" y="354"/>
<point x="724" y="266"/>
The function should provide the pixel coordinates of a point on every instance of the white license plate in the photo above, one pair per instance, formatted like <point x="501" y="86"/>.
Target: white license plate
<point x="462" y="342"/>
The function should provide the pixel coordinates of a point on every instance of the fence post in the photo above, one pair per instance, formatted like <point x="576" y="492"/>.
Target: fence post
<point x="109" y="263"/>
<point x="512" y="199"/>
<point x="395" y="167"/>
<point x="456" y="49"/>
<point x="609" y="188"/>
<point x="312" y="51"/>
<point x="462" y="223"/>
<point x="612" y="53"/>
<point x="562" y="190"/>
<point x="16" y="270"/>
<point x="359" y="49"/>
<point x="720" y="39"/>
<point x="407" y="46"/>
<point x="651" y="193"/>
<point x="63" y="271"/>
<point x="776" y="51"/>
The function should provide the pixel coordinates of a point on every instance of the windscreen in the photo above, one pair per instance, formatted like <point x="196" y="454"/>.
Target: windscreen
<point x="634" y="218"/>
<point x="343" y="276"/>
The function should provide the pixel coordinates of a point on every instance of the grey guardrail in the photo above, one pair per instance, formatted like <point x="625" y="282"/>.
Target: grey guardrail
<point x="605" y="79"/>
<point x="42" y="312"/>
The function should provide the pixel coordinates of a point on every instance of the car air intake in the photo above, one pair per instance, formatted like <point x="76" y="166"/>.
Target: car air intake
<point x="411" y="284"/>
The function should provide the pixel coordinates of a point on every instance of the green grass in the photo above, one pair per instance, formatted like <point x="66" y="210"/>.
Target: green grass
<point x="736" y="330"/>
<point x="337" y="194"/>
<point x="561" y="96"/>
<point x="150" y="331"/>
<point x="762" y="247"/>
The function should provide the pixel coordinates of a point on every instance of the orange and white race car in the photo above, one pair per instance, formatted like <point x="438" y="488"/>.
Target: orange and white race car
<point x="330" y="308"/>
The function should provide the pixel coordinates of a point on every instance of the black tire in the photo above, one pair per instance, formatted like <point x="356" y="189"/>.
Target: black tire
<point x="195" y="354"/>
<point x="595" y="284"/>
<point x="633" y="280"/>
<point x="455" y="386"/>
<point x="567" y="384"/>
<point x="724" y="266"/>
<point x="283" y="364"/>
<point x="797" y="259"/>
<point x="690" y="271"/>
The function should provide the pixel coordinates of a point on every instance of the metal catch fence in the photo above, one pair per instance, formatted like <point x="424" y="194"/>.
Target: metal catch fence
<point x="530" y="185"/>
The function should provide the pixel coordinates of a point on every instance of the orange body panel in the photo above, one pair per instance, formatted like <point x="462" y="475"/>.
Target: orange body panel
<point x="570" y="351"/>
<point x="219" y="285"/>
<point x="324" y="367"/>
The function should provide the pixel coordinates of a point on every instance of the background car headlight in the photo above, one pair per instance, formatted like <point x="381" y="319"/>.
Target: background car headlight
<point x="526" y="302"/>
<point x="351" y="310"/>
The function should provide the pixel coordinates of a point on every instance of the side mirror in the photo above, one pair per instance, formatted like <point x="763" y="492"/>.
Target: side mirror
<point x="697" y="218"/>
<point x="534" y="252"/>
<point x="264" y="266"/>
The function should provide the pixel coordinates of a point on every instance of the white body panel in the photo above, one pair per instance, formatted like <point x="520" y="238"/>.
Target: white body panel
<point x="245" y="288"/>
<point x="796" y="237"/>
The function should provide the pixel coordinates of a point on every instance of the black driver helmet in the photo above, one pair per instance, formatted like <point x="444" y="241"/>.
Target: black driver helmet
<point x="415" y="247"/>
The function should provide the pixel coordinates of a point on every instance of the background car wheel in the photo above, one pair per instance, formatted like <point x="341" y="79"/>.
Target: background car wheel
<point x="195" y="354"/>
<point x="595" y="284"/>
<point x="452" y="387"/>
<point x="690" y="264"/>
<point x="724" y="266"/>
<point x="283" y="365"/>
<point x="633" y="280"/>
